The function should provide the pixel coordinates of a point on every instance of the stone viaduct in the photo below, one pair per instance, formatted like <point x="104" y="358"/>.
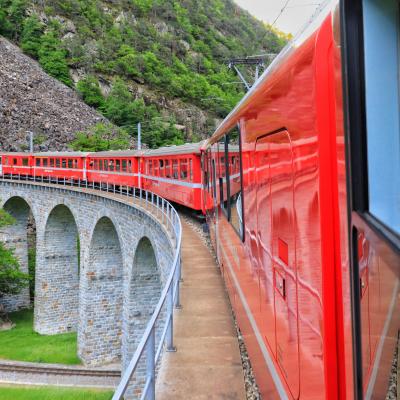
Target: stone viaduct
<point x="101" y="262"/>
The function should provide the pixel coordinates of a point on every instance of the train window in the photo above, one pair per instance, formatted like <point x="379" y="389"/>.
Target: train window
<point x="130" y="165"/>
<point x="57" y="162"/>
<point x="190" y="170"/>
<point x="25" y="162"/>
<point x="161" y="167"/>
<point x="167" y="169"/>
<point x="111" y="165"/>
<point x="105" y="165"/>
<point x="124" y="165"/>
<point x="223" y="177"/>
<point x="75" y="163"/>
<point x="15" y="161"/>
<point x="38" y="162"/>
<point x="69" y="163"/>
<point x="45" y="162"/>
<point x="381" y="42"/>
<point x="230" y="179"/>
<point x="175" y="174"/>
<point x="150" y="170"/>
<point x="156" y="166"/>
<point x="184" y="168"/>
<point x="118" y="165"/>
<point x="64" y="163"/>
<point x="51" y="162"/>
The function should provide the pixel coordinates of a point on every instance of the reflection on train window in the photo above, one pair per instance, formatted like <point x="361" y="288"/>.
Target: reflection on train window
<point x="223" y="177"/>
<point x="69" y="163"/>
<point x="118" y="165"/>
<point x="175" y="169"/>
<point x="57" y="162"/>
<point x="123" y="163"/>
<point x="167" y="169"/>
<point x="236" y="213"/>
<point x="64" y="163"/>
<point x="184" y="168"/>
<point x="105" y="165"/>
<point x="381" y="42"/>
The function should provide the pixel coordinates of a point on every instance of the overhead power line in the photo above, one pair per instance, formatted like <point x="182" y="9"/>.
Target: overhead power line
<point x="281" y="12"/>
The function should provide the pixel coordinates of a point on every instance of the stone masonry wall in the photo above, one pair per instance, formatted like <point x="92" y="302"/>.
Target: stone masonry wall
<point x="111" y="309"/>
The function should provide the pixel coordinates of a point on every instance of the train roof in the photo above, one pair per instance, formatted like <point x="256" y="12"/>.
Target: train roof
<point x="188" y="148"/>
<point x="246" y="103"/>
<point x="17" y="153"/>
<point x="61" y="154"/>
<point x="116" y="153"/>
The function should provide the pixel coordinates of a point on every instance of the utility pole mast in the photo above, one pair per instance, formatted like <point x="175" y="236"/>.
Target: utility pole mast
<point x="257" y="61"/>
<point x="139" y="136"/>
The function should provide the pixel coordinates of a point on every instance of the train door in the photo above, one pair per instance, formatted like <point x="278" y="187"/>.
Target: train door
<point x="276" y="193"/>
<point x="266" y="274"/>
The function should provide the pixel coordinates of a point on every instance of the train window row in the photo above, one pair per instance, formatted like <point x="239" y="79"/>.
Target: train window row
<point x="181" y="169"/>
<point x="24" y="162"/>
<point x="118" y="165"/>
<point x="71" y="163"/>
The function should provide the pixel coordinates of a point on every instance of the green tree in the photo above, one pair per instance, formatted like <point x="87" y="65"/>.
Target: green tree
<point x="101" y="137"/>
<point x="12" y="280"/>
<point x="53" y="58"/>
<point x="89" y="89"/>
<point x="31" y="35"/>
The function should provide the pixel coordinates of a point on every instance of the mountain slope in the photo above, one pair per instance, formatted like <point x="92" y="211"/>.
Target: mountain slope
<point x="167" y="58"/>
<point x="30" y="100"/>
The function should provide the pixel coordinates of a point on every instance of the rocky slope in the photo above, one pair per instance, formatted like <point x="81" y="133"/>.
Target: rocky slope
<point x="30" y="100"/>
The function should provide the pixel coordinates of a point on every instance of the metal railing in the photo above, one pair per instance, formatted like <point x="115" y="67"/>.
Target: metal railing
<point x="169" y="295"/>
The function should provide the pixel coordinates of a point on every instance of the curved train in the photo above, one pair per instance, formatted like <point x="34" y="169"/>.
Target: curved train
<point x="300" y="186"/>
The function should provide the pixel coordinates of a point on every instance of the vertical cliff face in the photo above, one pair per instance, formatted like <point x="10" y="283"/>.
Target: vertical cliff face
<point x="30" y="100"/>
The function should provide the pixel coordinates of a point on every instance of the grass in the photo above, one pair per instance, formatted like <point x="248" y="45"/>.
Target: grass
<point x="23" y="344"/>
<point x="51" y="393"/>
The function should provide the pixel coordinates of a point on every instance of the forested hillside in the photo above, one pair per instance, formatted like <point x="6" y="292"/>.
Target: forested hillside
<point x="162" y="62"/>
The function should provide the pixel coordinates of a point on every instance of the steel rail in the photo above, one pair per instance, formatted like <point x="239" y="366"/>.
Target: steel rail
<point x="169" y="295"/>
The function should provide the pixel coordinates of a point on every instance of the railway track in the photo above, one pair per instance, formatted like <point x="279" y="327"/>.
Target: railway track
<point x="16" y="372"/>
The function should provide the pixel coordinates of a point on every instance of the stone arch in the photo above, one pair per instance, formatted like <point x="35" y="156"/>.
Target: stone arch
<point x="57" y="274"/>
<point x="102" y="297"/>
<point x="144" y="289"/>
<point x="16" y="237"/>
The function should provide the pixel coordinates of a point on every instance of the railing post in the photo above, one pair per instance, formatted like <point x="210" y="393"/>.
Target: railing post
<point x="150" y="365"/>
<point x="178" y="280"/>
<point x="170" y="319"/>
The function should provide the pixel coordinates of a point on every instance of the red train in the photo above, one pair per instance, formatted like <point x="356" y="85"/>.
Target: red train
<point x="300" y="186"/>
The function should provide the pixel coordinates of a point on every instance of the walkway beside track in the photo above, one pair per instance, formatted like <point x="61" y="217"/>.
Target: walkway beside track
<point x="207" y="364"/>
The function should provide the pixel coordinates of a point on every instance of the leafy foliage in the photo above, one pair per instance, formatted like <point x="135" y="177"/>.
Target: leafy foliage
<point x="179" y="49"/>
<point x="12" y="280"/>
<point x="102" y="137"/>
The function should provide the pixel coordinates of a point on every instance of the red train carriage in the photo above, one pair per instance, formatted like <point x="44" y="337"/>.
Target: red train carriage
<point x="318" y="324"/>
<point x="118" y="168"/>
<point x="59" y="165"/>
<point x="175" y="173"/>
<point x="15" y="163"/>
